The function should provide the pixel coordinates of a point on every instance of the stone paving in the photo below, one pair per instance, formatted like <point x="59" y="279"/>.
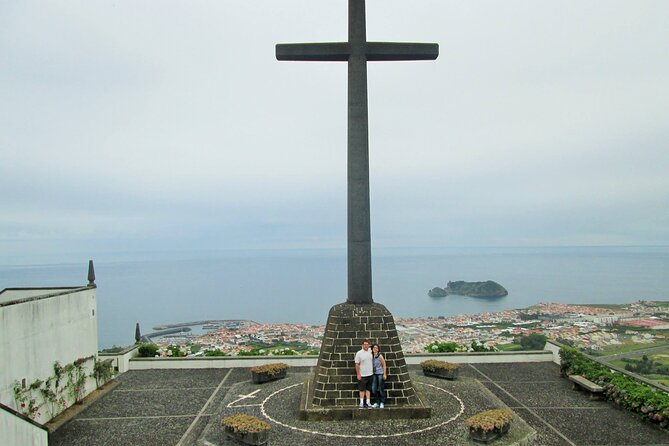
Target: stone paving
<point x="183" y="407"/>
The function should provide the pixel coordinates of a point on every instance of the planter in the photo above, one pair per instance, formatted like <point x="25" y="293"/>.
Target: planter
<point x="442" y="373"/>
<point x="246" y="429"/>
<point x="251" y="438"/>
<point x="489" y="425"/>
<point x="260" y="378"/>
<point x="486" y="436"/>
<point x="440" y="369"/>
<point x="268" y="372"/>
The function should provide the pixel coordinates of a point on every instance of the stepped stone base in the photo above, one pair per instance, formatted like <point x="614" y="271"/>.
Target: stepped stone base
<point x="332" y="393"/>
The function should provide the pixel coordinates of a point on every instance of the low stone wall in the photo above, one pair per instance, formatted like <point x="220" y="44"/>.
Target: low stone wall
<point x="483" y="357"/>
<point x="311" y="360"/>
<point x="220" y="362"/>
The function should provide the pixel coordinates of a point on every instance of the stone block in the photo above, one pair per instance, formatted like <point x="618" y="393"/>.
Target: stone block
<point x="347" y="401"/>
<point x="334" y="385"/>
<point x="338" y="379"/>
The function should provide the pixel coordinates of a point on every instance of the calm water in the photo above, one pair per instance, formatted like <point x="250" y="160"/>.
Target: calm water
<point x="301" y="286"/>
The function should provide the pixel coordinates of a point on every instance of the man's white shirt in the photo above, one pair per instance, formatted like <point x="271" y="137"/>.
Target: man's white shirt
<point x="364" y="358"/>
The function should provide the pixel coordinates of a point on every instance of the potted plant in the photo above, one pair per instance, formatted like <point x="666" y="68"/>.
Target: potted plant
<point x="268" y="372"/>
<point x="489" y="425"/>
<point x="246" y="429"/>
<point x="440" y="369"/>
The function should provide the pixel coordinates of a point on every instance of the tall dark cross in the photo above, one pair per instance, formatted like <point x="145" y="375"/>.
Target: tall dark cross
<point x="357" y="51"/>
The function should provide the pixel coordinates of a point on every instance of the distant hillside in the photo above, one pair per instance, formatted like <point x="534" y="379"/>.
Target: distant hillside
<point x="488" y="288"/>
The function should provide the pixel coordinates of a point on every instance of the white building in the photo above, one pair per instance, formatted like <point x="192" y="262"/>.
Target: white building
<point x="40" y="327"/>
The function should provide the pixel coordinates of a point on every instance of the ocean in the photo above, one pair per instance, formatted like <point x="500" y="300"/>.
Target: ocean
<point x="300" y="286"/>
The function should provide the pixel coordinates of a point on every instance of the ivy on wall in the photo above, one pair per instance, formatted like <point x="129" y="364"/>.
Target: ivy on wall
<point x="65" y="387"/>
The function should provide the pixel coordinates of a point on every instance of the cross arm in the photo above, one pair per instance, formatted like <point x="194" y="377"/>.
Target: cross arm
<point x="326" y="52"/>
<point x="379" y="51"/>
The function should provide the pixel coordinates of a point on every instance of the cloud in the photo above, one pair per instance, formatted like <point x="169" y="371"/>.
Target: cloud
<point x="129" y="125"/>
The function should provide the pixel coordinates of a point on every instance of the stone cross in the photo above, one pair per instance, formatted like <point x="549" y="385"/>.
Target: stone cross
<point x="357" y="51"/>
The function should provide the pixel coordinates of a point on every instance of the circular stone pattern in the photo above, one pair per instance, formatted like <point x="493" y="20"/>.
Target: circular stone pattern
<point x="281" y="408"/>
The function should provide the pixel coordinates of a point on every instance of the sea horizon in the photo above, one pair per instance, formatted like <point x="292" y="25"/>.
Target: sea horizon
<point x="300" y="285"/>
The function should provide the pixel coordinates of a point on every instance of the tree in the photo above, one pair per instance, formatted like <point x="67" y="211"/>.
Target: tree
<point x="535" y="341"/>
<point x="148" y="350"/>
<point x="138" y="335"/>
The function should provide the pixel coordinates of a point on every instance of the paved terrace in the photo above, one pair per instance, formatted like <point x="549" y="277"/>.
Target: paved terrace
<point x="182" y="407"/>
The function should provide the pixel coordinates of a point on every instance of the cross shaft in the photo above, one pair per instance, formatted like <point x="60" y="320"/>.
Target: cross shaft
<point x="357" y="52"/>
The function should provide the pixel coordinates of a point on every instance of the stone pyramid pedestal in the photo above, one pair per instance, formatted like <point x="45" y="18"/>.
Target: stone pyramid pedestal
<point x="332" y="393"/>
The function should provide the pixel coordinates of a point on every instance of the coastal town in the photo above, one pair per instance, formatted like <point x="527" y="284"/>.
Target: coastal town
<point x="593" y="328"/>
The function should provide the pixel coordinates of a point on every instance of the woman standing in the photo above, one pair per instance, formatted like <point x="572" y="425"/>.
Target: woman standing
<point x="380" y="375"/>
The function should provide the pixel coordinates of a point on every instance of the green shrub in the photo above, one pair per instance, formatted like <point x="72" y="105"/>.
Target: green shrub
<point x="535" y="341"/>
<point x="216" y="352"/>
<point x="284" y="352"/>
<point x="113" y="349"/>
<point x="174" y="351"/>
<point x="442" y="347"/>
<point x="627" y="392"/>
<point x="148" y="350"/>
<point x="253" y="352"/>
<point x="479" y="346"/>
<point x="103" y="371"/>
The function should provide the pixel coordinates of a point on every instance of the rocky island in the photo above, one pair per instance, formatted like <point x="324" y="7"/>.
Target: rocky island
<point x="488" y="288"/>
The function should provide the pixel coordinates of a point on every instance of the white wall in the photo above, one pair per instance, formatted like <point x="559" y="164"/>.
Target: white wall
<point x="121" y="360"/>
<point x="554" y="349"/>
<point x="36" y="332"/>
<point x="12" y="294"/>
<point x="17" y="431"/>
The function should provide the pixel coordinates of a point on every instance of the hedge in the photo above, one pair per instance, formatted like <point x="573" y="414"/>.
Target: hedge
<point x="647" y="401"/>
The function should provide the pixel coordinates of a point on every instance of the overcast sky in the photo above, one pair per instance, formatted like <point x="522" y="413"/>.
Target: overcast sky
<point x="143" y="125"/>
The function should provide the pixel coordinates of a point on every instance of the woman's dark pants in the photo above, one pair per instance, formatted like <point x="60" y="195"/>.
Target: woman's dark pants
<point x="378" y="393"/>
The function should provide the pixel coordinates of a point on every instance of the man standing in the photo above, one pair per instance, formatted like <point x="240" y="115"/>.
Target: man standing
<point x="365" y="370"/>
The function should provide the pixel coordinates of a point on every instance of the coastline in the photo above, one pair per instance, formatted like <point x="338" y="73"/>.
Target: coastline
<point x="273" y="286"/>
<point x="555" y="320"/>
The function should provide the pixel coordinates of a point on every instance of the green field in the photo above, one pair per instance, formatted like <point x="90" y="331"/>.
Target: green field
<point x="661" y="358"/>
<point x="299" y="347"/>
<point x="628" y="347"/>
<point x="658" y="303"/>
<point x="662" y="379"/>
<point x="509" y="347"/>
